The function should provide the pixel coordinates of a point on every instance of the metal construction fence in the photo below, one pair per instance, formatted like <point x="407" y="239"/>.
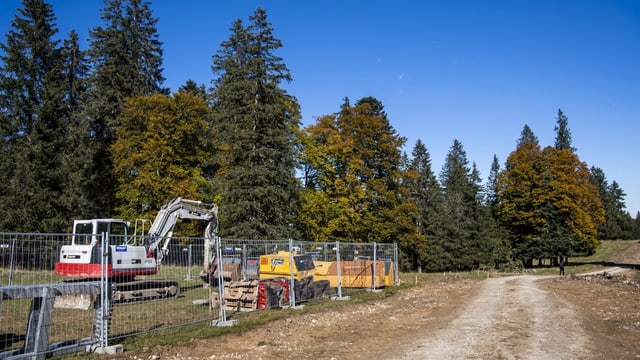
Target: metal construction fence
<point x="46" y="313"/>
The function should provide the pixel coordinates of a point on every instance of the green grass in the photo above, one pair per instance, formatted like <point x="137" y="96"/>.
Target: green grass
<point x="580" y="264"/>
<point x="605" y="252"/>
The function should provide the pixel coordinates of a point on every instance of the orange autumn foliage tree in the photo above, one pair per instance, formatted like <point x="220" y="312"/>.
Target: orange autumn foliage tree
<point x="545" y="199"/>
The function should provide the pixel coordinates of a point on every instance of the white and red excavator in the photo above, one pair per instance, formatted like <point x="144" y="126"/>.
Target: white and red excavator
<point x="127" y="255"/>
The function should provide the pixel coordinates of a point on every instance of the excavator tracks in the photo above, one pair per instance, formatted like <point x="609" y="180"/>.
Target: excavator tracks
<point x="137" y="291"/>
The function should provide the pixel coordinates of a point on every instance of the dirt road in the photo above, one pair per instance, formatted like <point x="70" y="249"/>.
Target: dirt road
<point x="509" y="318"/>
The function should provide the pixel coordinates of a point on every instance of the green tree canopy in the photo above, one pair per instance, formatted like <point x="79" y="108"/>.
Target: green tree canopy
<point x="563" y="134"/>
<point x="618" y="222"/>
<point x="427" y="195"/>
<point x="257" y="123"/>
<point x="34" y="123"/>
<point x="461" y="188"/>
<point x="159" y="153"/>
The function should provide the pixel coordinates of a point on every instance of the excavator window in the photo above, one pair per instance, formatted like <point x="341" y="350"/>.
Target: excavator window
<point x="82" y="233"/>
<point x="119" y="232"/>
<point x="118" y="228"/>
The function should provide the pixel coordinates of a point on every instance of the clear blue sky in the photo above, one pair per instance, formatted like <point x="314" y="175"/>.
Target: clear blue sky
<point x="476" y="71"/>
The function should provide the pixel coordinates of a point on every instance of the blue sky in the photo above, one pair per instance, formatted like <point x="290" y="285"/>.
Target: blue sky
<point x="475" y="71"/>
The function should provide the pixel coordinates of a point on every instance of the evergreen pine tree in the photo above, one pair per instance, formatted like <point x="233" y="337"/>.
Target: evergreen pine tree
<point x="527" y="137"/>
<point x="127" y="59"/>
<point x="33" y="123"/>
<point x="618" y="223"/>
<point x="460" y="206"/>
<point x="256" y="122"/>
<point x="77" y="162"/>
<point x="563" y="134"/>
<point x="427" y="195"/>
<point x="191" y="87"/>
<point x="492" y="183"/>
<point x="620" y="216"/>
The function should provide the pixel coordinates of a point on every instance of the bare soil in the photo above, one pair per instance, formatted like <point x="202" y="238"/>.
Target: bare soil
<point x="594" y="316"/>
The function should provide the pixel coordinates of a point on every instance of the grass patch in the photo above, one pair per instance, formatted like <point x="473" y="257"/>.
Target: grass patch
<point x="607" y="250"/>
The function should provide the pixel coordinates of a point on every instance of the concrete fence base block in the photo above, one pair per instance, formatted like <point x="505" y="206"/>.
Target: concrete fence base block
<point x="220" y="323"/>
<point x="109" y="350"/>
<point x="343" y="298"/>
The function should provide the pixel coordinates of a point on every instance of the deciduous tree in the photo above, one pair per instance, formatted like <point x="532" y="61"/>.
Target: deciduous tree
<point x="547" y="202"/>
<point x="159" y="153"/>
<point x="355" y="192"/>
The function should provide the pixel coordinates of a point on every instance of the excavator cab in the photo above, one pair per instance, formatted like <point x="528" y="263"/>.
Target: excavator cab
<point x="88" y="232"/>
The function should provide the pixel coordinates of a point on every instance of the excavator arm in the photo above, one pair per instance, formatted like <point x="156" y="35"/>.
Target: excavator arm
<point x="166" y="219"/>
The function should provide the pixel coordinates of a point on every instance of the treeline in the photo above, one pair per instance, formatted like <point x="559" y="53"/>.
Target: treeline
<point x="89" y="133"/>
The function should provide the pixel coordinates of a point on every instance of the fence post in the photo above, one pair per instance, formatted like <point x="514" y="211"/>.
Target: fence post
<point x="11" y="256"/>
<point x="373" y="271"/>
<point x="396" y="276"/>
<point x="189" y="263"/>
<point x="292" y="282"/>
<point x="339" y="269"/>
<point x="223" y="306"/>
<point x="105" y="293"/>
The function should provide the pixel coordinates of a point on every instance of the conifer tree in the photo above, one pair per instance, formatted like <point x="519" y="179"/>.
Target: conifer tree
<point x="618" y="222"/>
<point x="460" y="205"/>
<point x="77" y="154"/>
<point x="256" y="124"/>
<point x="126" y="55"/>
<point x="492" y="183"/>
<point x="563" y="134"/>
<point x="427" y="195"/>
<point x="33" y="123"/>
<point x="194" y="89"/>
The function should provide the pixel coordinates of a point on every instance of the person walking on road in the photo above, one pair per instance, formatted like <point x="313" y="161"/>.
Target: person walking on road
<point x="561" y="265"/>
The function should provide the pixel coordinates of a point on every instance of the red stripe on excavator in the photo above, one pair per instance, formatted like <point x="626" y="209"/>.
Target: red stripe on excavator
<point x="95" y="270"/>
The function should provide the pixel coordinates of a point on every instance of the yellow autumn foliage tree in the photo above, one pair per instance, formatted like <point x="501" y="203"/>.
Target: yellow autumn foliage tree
<point x="159" y="152"/>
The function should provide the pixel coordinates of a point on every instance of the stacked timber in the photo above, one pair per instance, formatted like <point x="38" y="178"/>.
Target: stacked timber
<point x="241" y="296"/>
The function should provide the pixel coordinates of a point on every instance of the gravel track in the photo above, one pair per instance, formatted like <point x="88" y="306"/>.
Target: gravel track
<point x="509" y="318"/>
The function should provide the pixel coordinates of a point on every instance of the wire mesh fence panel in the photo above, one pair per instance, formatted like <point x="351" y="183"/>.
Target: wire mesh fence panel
<point x="353" y="267"/>
<point x="32" y="301"/>
<point x="179" y="292"/>
<point x="108" y="287"/>
<point x="286" y="273"/>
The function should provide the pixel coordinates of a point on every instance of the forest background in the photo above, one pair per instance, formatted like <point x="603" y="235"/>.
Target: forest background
<point x="90" y="133"/>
